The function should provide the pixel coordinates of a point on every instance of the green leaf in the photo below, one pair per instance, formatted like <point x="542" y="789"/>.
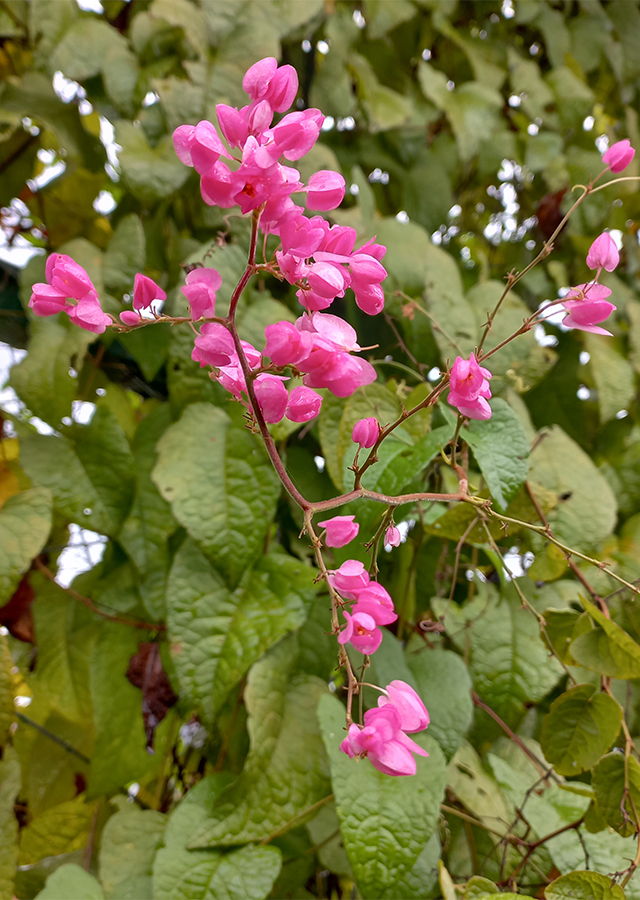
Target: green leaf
<point x="501" y="449"/>
<point x="90" y="472"/>
<point x="221" y="486"/>
<point x="451" y="315"/>
<point x="583" y="886"/>
<point x="61" y="829"/>
<point x="149" y="523"/>
<point x="476" y="788"/>
<point x="579" y="728"/>
<point x="43" y="380"/>
<point x="25" y="523"/>
<point x="150" y="173"/>
<point x="119" y="756"/>
<point x="385" y="821"/>
<point x="608" y="782"/>
<point x="120" y="73"/>
<point x="613" y="376"/>
<point x="71" y="882"/>
<point x="7" y="691"/>
<point x="324" y="831"/>
<point x="128" y="845"/>
<point x="218" y="634"/>
<point x="400" y="464"/>
<point x="182" y="874"/>
<point x="286" y="772"/>
<point x="9" y="788"/>
<point x="562" y="627"/>
<point x="124" y="257"/>
<point x="479" y="887"/>
<point x="444" y="684"/>
<point x="586" y="514"/>
<point x="81" y="52"/>
<point x="608" y="647"/>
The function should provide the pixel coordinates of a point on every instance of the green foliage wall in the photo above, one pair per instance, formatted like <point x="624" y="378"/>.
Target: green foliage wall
<point x="461" y="128"/>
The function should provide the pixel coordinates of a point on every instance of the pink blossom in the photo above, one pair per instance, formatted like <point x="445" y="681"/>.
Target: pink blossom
<point x="587" y="307"/>
<point x="412" y="711"/>
<point x="214" y="346"/>
<point x="67" y="277"/>
<point x="349" y="579"/>
<point x="327" y="280"/>
<point x="326" y="190"/>
<point x="272" y="397"/>
<point x="200" y="290"/>
<point x="383" y="742"/>
<point x="341" y="530"/>
<point x="145" y="291"/>
<point x="258" y="76"/>
<point x="344" y="376"/>
<point x="296" y="134"/>
<point x="282" y="89"/>
<point x="362" y="632"/>
<point x="68" y="281"/>
<point x="199" y="146"/>
<point x="286" y="346"/>
<point x="366" y="432"/>
<point x="301" y="236"/>
<point x="376" y="601"/>
<point x="88" y="314"/>
<point x="393" y="537"/>
<point x="469" y="388"/>
<point x="370" y="299"/>
<point x="603" y="253"/>
<point x="304" y="404"/>
<point x="618" y="156"/>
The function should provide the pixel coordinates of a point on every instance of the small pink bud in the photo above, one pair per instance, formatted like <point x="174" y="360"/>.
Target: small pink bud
<point x="304" y="404"/>
<point x="341" y="530"/>
<point x="272" y="396"/>
<point x="366" y="432"/>
<point x="129" y="317"/>
<point x="618" y="156"/>
<point x="603" y="253"/>
<point x="393" y="537"/>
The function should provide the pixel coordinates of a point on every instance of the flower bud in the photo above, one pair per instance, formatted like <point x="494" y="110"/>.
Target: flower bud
<point x="393" y="538"/>
<point x="341" y="530"/>
<point x="304" y="404"/>
<point x="603" y="253"/>
<point x="618" y="156"/>
<point x="366" y="432"/>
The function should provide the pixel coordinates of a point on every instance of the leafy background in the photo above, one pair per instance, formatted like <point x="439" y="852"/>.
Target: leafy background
<point x="460" y="128"/>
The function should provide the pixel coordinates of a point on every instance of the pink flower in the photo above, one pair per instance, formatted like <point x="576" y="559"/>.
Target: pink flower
<point x="326" y="190"/>
<point x="67" y="281"/>
<point x="618" y="156"/>
<point x="272" y="396"/>
<point x="362" y="632"/>
<point x="587" y="306"/>
<point x="199" y="146"/>
<point x="340" y="530"/>
<point x="349" y="579"/>
<point x="286" y="346"/>
<point x="393" y="537"/>
<point x="304" y="404"/>
<point x="412" y="711"/>
<point x="266" y="81"/>
<point x="200" y="290"/>
<point x="214" y="346"/>
<point x="603" y="253"/>
<point x="376" y="601"/>
<point x="145" y="291"/>
<point x="366" y="432"/>
<point x="384" y="742"/>
<point x="469" y="388"/>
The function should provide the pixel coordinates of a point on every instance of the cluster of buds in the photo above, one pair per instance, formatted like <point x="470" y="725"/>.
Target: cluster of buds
<point x="383" y="738"/>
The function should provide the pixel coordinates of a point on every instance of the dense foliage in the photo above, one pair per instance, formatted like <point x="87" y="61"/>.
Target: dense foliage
<point x="167" y="723"/>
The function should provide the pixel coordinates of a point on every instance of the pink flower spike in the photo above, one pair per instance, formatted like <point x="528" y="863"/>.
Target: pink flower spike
<point x="603" y="253"/>
<point x="129" y="317"/>
<point x="341" y="530"/>
<point x="326" y="190"/>
<point x="304" y="404"/>
<point x="145" y="291"/>
<point x="200" y="290"/>
<point x="412" y="711"/>
<point x="393" y="537"/>
<point x="366" y="432"/>
<point x="272" y="396"/>
<point x="618" y="156"/>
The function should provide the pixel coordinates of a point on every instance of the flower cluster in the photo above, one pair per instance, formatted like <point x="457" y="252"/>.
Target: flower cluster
<point x="373" y="606"/>
<point x="384" y="736"/>
<point x="469" y="388"/>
